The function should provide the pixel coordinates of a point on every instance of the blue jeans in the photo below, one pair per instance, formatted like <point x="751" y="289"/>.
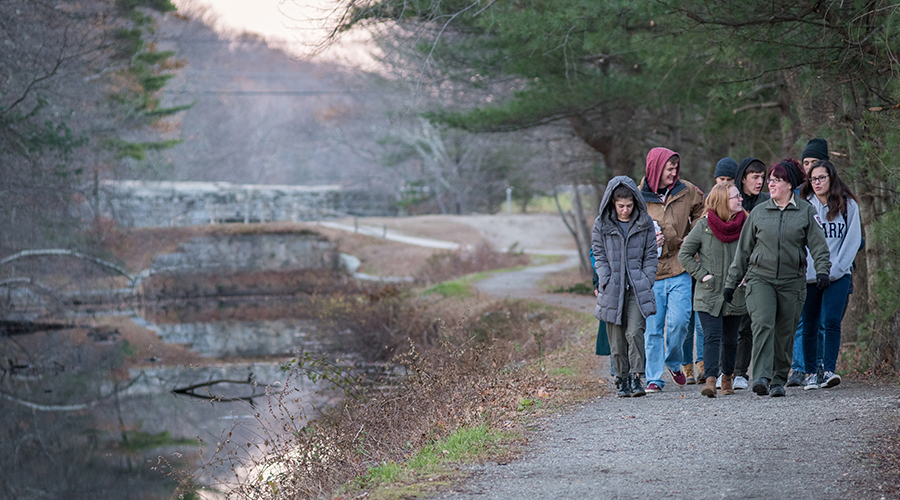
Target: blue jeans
<point x="824" y="307"/>
<point x="687" y="349"/>
<point x="799" y="362"/>
<point x="666" y="329"/>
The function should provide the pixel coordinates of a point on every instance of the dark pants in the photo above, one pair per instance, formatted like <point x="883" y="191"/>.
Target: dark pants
<point x="744" y="347"/>
<point x="720" y="339"/>
<point x="827" y="306"/>
<point x="626" y="341"/>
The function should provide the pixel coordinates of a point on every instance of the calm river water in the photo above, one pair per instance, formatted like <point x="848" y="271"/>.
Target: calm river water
<point x="80" y="419"/>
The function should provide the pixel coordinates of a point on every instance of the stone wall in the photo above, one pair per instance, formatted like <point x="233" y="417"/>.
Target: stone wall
<point x="168" y="204"/>
<point x="249" y="252"/>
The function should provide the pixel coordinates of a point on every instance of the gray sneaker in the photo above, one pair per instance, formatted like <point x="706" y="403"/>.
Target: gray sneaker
<point x="811" y="382"/>
<point x="796" y="379"/>
<point x="829" y="379"/>
<point x="740" y="383"/>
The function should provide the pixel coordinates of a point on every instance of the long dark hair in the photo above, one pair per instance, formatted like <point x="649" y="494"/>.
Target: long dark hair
<point x="838" y="192"/>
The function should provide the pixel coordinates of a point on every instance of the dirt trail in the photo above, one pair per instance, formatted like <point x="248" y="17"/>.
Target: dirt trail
<point x="679" y="444"/>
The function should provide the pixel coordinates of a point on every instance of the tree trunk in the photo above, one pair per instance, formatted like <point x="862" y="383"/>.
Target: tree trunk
<point x="585" y="235"/>
<point x="583" y="254"/>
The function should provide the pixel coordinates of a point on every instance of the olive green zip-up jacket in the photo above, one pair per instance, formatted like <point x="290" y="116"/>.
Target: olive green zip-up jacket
<point x="773" y="244"/>
<point x="713" y="257"/>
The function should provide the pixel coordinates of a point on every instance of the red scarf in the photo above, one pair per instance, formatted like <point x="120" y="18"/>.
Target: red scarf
<point x="726" y="231"/>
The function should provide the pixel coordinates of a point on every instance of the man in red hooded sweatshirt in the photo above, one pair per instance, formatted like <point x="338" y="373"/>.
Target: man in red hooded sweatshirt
<point x="675" y="205"/>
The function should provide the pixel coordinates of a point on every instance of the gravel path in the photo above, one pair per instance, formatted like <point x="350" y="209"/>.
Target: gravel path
<point x="679" y="444"/>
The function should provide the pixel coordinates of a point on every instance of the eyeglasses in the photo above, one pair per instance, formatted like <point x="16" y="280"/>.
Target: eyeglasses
<point x="819" y="179"/>
<point x="775" y="180"/>
<point x="736" y="197"/>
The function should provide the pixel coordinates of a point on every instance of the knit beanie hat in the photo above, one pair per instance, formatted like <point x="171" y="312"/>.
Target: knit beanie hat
<point x="726" y="167"/>
<point x="816" y="148"/>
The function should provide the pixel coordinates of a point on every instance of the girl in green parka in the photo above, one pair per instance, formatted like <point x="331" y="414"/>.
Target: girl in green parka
<point x="771" y="260"/>
<point x="706" y="254"/>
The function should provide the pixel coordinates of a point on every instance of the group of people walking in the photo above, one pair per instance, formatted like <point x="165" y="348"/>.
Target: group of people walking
<point x="747" y="264"/>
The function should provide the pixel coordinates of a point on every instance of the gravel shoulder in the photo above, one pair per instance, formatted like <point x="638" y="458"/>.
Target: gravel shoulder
<point x="680" y="444"/>
<point x="677" y="443"/>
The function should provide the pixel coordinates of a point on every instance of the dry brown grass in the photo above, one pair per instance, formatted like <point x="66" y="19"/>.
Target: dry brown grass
<point x="564" y="280"/>
<point x="463" y="363"/>
<point x="447" y="265"/>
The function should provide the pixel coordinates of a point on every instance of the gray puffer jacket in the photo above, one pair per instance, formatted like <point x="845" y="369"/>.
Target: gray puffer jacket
<point x="624" y="260"/>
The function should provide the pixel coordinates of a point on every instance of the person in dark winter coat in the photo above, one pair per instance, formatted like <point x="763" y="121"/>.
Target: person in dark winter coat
<point x="771" y="260"/>
<point x="625" y="251"/>
<point x="706" y="254"/>
<point x="750" y="179"/>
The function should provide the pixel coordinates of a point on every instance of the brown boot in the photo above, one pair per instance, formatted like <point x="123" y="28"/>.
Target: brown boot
<point x="689" y="373"/>
<point x="727" y="388"/>
<point x="700" y="374"/>
<point x="710" y="388"/>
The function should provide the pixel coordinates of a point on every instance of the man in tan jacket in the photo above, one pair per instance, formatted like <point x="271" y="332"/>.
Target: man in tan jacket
<point x="675" y="205"/>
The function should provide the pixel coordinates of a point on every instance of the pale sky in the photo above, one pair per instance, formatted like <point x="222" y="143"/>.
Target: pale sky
<point x="295" y="26"/>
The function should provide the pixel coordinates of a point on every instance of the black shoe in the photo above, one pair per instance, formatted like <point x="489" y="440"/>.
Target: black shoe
<point x="776" y="391"/>
<point x="760" y="386"/>
<point x="624" y="387"/>
<point x="637" y="387"/>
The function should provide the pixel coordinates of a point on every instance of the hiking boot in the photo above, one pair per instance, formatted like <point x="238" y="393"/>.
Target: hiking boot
<point x="761" y="386"/>
<point x="689" y="374"/>
<point x="700" y="374"/>
<point x="740" y="383"/>
<point x="709" y="390"/>
<point x="727" y="388"/>
<point x="830" y="379"/>
<point x="624" y="387"/>
<point x="812" y="382"/>
<point x="637" y="388"/>
<point x="652" y="387"/>
<point x="776" y="391"/>
<point x="678" y="377"/>
<point x="796" y="379"/>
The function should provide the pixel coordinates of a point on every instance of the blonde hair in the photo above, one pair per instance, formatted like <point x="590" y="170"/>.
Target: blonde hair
<point x="717" y="200"/>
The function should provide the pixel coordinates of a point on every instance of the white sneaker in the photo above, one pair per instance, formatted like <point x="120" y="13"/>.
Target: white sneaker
<point x="719" y="382"/>
<point x="740" y="383"/>
<point x="811" y="382"/>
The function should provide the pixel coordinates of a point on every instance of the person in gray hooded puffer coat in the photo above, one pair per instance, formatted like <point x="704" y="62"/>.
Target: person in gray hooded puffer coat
<point x="625" y="250"/>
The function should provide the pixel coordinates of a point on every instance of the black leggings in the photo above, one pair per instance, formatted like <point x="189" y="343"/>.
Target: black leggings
<point x="720" y="335"/>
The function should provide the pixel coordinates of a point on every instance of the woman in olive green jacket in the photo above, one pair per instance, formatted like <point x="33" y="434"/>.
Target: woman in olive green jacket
<point x="771" y="260"/>
<point x="706" y="254"/>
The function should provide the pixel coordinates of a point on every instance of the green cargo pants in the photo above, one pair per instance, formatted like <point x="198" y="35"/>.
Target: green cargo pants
<point x="774" y="309"/>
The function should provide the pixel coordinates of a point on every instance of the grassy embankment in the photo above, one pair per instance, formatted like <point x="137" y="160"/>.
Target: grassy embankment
<point x="470" y="374"/>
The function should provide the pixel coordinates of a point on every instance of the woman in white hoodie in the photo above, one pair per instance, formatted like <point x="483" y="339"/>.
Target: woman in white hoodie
<point x="837" y="212"/>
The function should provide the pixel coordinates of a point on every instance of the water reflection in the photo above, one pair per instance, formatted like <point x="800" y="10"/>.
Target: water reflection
<point x="83" y="417"/>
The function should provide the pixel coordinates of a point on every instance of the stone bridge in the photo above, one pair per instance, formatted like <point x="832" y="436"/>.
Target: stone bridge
<point x="169" y="204"/>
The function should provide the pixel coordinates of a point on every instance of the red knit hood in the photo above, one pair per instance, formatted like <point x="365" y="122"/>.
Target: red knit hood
<point x="656" y="161"/>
